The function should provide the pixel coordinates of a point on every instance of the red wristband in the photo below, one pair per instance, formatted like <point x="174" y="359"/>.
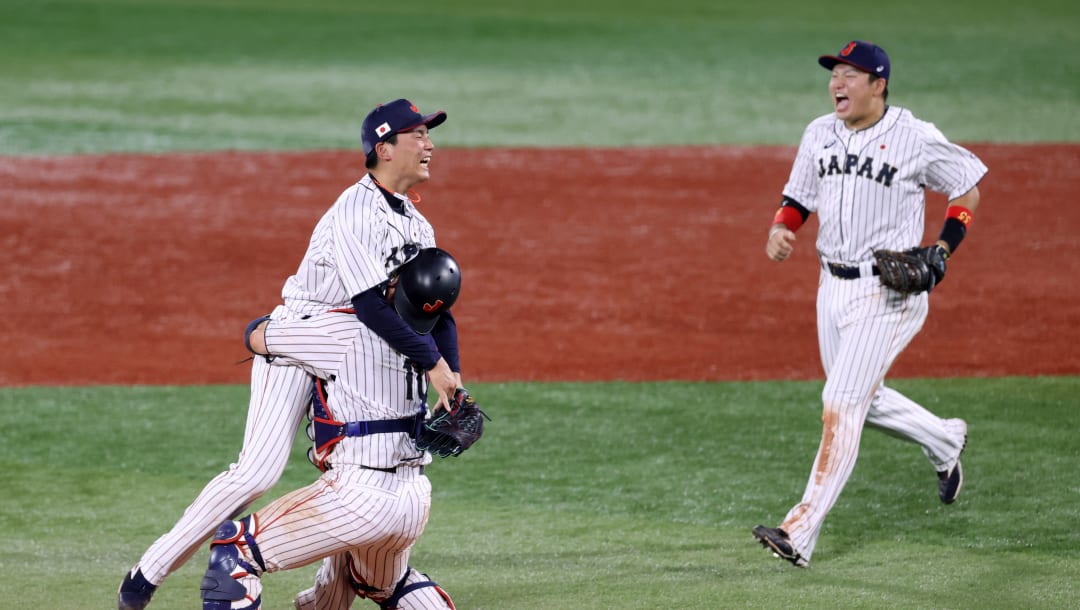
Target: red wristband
<point x="960" y="213"/>
<point x="789" y="216"/>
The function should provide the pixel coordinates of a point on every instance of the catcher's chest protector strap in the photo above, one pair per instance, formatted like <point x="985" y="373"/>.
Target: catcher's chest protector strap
<point x="329" y="430"/>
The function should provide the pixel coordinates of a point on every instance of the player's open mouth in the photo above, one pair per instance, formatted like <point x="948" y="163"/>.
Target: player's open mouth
<point x="425" y="162"/>
<point x="841" y="102"/>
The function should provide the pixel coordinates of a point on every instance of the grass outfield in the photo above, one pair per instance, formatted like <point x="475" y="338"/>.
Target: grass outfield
<point x="604" y="495"/>
<point x="124" y="75"/>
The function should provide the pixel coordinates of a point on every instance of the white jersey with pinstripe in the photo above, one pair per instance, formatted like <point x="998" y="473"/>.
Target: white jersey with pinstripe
<point x="354" y="246"/>
<point x="868" y="189"/>
<point x="868" y="186"/>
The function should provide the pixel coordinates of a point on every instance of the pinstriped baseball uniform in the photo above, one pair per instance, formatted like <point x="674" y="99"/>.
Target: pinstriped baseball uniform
<point x="867" y="188"/>
<point x="375" y="383"/>
<point x="376" y="516"/>
<point x="371" y="381"/>
<point x="353" y="247"/>
<point x="279" y="399"/>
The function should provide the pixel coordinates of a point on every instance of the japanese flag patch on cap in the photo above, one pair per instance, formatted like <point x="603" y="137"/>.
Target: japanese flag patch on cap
<point x="395" y="117"/>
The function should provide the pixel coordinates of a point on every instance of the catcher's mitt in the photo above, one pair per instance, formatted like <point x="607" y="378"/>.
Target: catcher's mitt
<point x="454" y="430"/>
<point x="912" y="271"/>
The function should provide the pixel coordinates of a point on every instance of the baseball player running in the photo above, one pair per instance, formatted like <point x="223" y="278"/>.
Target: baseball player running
<point x="368" y="232"/>
<point x="372" y="501"/>
<point x="863" y="169"/>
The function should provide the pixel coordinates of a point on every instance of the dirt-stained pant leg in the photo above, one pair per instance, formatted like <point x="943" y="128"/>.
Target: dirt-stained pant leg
<point x="338" y="581"/>
<point x="373" y="514"/>
<point x="862" y="329"/>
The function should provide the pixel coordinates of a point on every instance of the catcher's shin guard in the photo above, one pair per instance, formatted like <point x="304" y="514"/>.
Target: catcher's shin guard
<point x="232" y="578"/>
<point x="415" y="591"/>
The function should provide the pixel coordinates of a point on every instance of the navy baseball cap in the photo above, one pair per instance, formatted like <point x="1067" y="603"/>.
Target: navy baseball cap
<point x="392" y="118"/>
<point x="865" y="56"/>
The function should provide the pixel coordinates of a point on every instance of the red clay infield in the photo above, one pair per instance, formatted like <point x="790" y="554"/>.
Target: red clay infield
<point x="633" y="264"/>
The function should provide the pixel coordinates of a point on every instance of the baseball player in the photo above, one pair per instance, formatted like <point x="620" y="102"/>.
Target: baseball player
<point x="863" y="169"/>
<point x="369" y="231"/>
<point x="372" y="502"/>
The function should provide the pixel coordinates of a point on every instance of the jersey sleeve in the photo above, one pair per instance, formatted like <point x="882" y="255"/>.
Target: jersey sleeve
<point x="359" y="229"/>
<point x="802" y="184"/>
<point x="446" y="340"/>
<point x="948" y="168"/>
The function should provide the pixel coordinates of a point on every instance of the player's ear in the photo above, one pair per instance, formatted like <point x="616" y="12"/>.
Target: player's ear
<point x="384" y="150"/>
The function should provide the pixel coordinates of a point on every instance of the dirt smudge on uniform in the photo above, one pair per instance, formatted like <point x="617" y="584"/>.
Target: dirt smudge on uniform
<point x="829" y="419"/>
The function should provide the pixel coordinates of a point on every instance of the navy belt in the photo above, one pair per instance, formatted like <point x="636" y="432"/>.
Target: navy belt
<point x="393" y="469"/>
<point x="378" y="426"/>
<point x="846" y="272"/>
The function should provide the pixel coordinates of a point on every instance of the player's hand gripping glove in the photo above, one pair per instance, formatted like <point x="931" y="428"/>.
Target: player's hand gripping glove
<point x="452" y="431"/>
<point x="912" y="271"/>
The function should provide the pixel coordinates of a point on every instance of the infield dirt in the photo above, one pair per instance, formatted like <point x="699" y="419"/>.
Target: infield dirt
<point x="631" y="264"/>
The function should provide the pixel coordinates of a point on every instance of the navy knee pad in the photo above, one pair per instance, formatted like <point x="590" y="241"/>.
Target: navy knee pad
<point x="219" y="585"/>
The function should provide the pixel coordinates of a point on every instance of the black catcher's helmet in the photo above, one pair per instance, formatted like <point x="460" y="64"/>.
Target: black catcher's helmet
<point x="427" y="286"/>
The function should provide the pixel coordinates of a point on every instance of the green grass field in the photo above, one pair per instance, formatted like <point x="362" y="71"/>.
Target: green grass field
<point x="100" y="75"/>
<point x="602" y="495"/>
<point x="581" y="495"/>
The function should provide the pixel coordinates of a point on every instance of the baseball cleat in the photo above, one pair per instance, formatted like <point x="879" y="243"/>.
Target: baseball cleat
<point x="950" y="481"/>
<point x="777" y="540"/>
<point x="135" y="592"/>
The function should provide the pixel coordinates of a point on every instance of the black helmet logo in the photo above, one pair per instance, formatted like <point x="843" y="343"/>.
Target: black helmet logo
<point x="427" y="286"/>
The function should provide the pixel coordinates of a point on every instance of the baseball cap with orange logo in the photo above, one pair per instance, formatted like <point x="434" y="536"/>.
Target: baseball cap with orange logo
<point x="865" y="56"/>
<point x="395" y="117"/>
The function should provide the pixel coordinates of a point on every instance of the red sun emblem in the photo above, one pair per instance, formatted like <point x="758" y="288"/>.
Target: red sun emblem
<point x="432" y="307"/>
